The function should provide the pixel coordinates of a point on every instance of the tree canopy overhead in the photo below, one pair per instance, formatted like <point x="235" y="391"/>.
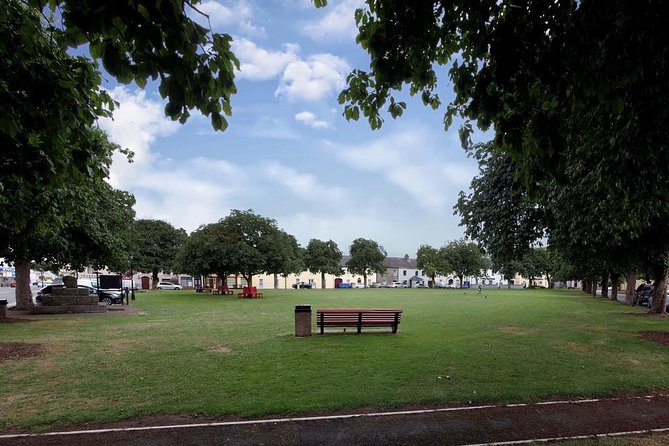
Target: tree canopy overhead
<point x="575" y="92"/>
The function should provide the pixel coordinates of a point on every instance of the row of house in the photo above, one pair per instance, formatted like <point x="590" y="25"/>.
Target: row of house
<point x="402" y="270"/>
<point x="399" y="269"/>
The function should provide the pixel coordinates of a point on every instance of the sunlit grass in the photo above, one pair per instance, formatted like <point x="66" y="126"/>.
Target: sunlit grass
<point x="194" y="354"/>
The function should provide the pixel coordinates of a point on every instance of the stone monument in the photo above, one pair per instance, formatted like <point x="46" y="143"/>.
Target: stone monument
<point x="69" y="299"/>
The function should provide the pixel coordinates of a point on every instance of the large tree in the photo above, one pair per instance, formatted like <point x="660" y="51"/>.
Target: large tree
<point x="50" y="98"/>
<point x="498" y="212"/>
<point x="432" y="262"/>
<point x="207" y="250"/>
<point x="367" y="257"/>
<point x="82" y="222"/>
<point x="465" y="257"/>
<point x="155" y="244"/>
<point x="574" y="91"/>
<point x="243" y="242"/>
<point x="323" y="257"/>
<point x="284" y="256"/>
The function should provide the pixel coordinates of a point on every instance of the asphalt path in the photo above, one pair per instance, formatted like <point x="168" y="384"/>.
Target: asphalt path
<point x="470" y="425"/>
<point x="10" y="294"/>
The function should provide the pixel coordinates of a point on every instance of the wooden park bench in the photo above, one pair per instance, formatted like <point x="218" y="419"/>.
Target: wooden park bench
<point x="250" y="292"/>
<point x="358" y="318"/>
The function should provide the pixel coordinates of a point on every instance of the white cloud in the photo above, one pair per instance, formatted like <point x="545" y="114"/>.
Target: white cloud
<point x="412" y="162"/>
<point x="237" y="15"/>
<point x="186" y="193"/>
<point x="272" y="128"/>
<point x="310" y="119"/>
<point x="303" y="185"/>
<point x="261" y="64"/>
<point x="313" y="79"/>
<point x="136" y="123"/>
<point x="338" y="23"/>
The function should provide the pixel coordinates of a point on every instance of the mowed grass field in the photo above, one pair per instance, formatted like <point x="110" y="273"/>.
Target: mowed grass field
<point x="193" y="354"/>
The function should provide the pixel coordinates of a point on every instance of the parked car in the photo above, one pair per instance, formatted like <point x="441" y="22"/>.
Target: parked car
<point x="643" y="295"/>
<point x="396" y="285"/>
<point x="167" y="286"/>
<point x="107" y="296"/>
<point x="344" y="285"/>
<point x="358" y="285"/>
<point x="12" y="283"/>
<point x="303" y="285"/>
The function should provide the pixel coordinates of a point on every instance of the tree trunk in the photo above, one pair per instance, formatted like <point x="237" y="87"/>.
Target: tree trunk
<point x="364" y="277"/>
<point x="593" y="284"/>
<point x="605" y="285"/>
<point x="631" y="286"/>
<point x="462" y="280"/>
<point x="24" y="297"/>
<point x="276" y="281"/>
<point x="154" y="279"/>
<point x="434" y="280"/>
<point x="660" y="294"/>
<point x="584" y="286"/>
<point x="615" y="281"/>
<point x="323" y="280"/>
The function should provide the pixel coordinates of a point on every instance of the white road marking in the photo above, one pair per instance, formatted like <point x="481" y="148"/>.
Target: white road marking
<point x="362" y="415"/>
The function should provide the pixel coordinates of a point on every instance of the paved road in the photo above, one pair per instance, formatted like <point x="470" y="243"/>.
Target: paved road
<point x="632" y="415"/>
<point x="10" y="294"/>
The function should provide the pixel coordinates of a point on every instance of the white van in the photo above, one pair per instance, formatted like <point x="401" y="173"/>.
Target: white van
<point x="88" y="282"/>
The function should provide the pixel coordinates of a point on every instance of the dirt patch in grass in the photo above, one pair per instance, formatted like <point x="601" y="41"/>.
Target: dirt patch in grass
<point x="221" y="349"/>
<point x="19" y="350"/>
<point x="511" y="329"/>
<point x="661" y="337"/>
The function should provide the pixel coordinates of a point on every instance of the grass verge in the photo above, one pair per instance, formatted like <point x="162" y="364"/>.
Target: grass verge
<point x="193" y="354"/>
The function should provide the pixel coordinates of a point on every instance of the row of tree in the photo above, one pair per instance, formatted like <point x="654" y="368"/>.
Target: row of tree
<point x="575" y="93"/>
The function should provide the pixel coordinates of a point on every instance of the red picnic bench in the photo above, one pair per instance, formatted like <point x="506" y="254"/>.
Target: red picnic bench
<point x="250" y="292"/>
<point x="358" y="318"/>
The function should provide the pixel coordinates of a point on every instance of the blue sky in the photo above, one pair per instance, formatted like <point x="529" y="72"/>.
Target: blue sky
<point x="288" y="153"/>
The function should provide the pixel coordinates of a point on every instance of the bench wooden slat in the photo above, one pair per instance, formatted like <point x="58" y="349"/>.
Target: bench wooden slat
<point x="358" y="317"/>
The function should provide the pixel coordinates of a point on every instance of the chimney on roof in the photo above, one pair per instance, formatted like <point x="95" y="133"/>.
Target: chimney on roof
<point x="406" y="258"/>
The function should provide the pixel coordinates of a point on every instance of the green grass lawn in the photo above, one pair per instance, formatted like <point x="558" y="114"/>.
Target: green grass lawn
<point x="194" y="354"/>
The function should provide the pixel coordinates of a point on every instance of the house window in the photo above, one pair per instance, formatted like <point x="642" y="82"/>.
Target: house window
<point x="416" y="273"/>
<point x="404" y="273"/>
<point x="260" y="283"/>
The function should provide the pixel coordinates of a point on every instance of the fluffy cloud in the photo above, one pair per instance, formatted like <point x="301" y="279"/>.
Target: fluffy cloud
<point x="136" y="123"/>
<point x="410" y="160"/>
<point x="310" y="119"/>
<point x="313" y="79"/>
<point x="237" y="15"/>
<point x="303" y="185"/>
<point x="338" y="23"/>
<point x="258" y="64"/>
<point x="186" y="193"/>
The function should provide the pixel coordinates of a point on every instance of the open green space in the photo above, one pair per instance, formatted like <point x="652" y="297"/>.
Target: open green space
<point x="194" y="354"/>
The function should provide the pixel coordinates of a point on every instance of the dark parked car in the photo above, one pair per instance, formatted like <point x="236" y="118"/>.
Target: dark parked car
<point x="107" y="296"/>
<point x="303" y="285"/>
<point x="644" y="294"/>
